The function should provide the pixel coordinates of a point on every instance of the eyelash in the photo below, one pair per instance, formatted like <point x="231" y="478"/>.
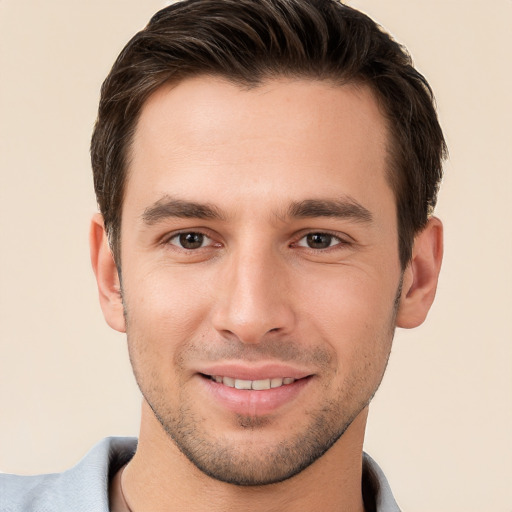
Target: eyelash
<point x="340" y="241"/>
<point x="168" y="241"/>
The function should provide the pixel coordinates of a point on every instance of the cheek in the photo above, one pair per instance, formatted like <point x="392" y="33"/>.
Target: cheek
<point x="353" y="312"/>
<point x="164" y="311"/>
<point x="348" y="300"/>
<point x="169" y="294"/>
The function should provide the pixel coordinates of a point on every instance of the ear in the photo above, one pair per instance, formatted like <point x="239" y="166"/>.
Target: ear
<point x="107" y="277"/>
<point x="421" y="275"/>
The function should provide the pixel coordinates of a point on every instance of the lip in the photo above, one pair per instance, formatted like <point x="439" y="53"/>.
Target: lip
<point x="251" y="402"/>
<point x="254" y="372"/>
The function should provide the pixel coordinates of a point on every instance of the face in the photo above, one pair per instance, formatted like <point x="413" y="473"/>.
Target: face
<point x="260" y="269"/>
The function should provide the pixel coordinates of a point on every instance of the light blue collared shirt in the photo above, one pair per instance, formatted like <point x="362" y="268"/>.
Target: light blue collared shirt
<point x="84" y="488"/>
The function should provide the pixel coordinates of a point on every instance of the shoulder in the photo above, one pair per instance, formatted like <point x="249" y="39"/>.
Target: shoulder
<point x="377" y="493"/>
<point x="81" y="488"/>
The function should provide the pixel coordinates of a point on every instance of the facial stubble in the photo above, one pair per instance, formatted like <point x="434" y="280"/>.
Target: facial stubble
<point x="246" y="463"/>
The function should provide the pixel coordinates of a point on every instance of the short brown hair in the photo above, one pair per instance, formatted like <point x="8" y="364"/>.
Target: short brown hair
<point x="249" y="41"/>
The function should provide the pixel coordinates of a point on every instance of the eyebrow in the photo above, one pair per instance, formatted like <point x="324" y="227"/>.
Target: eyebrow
<point x="346" y="208"/>
<point x="168" y="207"/>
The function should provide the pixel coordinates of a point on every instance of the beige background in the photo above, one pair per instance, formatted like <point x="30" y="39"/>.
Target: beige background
<point x="441" y="423"/>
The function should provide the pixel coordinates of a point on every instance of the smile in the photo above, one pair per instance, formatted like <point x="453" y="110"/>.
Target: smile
<point x="258" y="385"/>
<point x="253" y="392"/>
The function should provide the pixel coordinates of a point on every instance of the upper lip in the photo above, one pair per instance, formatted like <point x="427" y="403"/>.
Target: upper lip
<point x="260" y="371"/>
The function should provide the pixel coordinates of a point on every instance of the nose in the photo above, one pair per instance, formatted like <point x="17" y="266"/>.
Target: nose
<point x="254" y="297"/>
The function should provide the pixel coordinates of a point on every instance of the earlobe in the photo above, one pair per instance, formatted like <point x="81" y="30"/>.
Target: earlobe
<point x="107" y="277"/>
<point x="421" y="275"/>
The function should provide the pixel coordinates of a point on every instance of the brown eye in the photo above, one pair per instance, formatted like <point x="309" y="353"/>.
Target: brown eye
<point x="189" y="240"/>
<point x="319" y="240"/>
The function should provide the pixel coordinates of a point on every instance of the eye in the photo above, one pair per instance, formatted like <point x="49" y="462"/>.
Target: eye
<point x="190" y="240"/>
<point x="319" y="241"/>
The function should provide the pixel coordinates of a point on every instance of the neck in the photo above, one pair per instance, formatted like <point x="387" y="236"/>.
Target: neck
<point x="161" y="479"/>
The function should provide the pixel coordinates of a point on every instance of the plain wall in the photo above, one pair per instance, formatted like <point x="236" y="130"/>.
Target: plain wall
<point x="440" y="426"/>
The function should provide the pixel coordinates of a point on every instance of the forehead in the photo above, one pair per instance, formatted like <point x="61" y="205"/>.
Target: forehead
<point x="287" y="135"/>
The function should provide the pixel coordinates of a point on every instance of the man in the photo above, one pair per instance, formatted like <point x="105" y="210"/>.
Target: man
<point x="266" y="172"/>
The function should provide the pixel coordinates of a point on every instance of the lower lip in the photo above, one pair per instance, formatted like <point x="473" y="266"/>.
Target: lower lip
<point x="251" y="402"/>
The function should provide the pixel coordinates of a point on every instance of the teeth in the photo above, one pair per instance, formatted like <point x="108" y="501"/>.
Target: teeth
<point x="243" y="384"/>
<point x="261" y="384"/>
<point x="228" y="381"/>
<point x="276" y="383"/>
<point x="253" y="384"/>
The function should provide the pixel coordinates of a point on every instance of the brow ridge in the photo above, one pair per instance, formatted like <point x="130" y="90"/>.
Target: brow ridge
<point x="169" y="207"/>
<point x="345" y="208"/>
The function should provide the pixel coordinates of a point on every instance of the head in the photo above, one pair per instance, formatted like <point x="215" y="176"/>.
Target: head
<point x="249" y="42"/>
<point x="265" y="171"/>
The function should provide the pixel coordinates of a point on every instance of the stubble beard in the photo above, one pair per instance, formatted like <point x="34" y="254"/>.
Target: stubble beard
<point x="249" y="463"/>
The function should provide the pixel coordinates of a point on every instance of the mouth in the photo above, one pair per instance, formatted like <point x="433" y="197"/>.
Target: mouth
<point x="259" y="395"/>
<point x="257" y="385"/>
<point x="255" y="388"/>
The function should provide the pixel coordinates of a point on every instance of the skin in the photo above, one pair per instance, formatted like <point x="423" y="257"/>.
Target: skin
<point x="264" y="168"/>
